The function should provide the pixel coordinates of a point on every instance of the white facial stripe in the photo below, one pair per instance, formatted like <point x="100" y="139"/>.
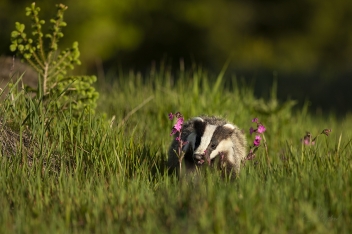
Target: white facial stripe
<point x="206" y="138"/>
<point x="224" y="146"/>
<point x="191" y="139"/>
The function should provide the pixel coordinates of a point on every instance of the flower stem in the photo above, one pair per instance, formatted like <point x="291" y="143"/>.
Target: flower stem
<point x="266" y="150"/>
<point x="180" y="154"/>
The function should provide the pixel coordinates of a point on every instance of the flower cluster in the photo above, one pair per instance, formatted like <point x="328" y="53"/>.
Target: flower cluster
<point x="177" y="127"/>
<point x="259" y="130"/>
<point x="307" y="139"/>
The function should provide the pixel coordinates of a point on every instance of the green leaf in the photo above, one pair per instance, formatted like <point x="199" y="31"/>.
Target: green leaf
<point x="13" y="47"/>
<point x="15" y="34"/>
<point x="20" y="48"/>
<point x="27" y="56"/>
<point x="19" y="27"/>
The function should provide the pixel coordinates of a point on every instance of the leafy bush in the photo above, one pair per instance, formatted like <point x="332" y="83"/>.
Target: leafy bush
<point x="56" y="88"/>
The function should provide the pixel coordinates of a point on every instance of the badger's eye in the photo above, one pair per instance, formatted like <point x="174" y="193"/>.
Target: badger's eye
<point x="213" y="145"/>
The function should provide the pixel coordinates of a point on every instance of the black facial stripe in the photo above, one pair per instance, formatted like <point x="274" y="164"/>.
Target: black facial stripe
<point x="199" y="127"/>
<point x="197" y="142"/>
<point x="212" y="146"/>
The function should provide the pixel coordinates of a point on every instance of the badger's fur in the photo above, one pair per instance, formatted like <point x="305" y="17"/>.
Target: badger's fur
<point x="209" y="138"/>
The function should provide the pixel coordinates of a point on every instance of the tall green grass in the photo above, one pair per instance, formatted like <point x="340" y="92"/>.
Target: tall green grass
<point x="106" y="173"/>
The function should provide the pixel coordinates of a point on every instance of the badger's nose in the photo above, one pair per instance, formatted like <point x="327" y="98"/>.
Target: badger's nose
<point x="198" y="156"/>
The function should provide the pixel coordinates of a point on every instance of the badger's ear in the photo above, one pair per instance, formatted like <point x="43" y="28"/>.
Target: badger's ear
<point x="197" y="119"/>
<point x="229" y="126"/>
<point x="198" y="125"/>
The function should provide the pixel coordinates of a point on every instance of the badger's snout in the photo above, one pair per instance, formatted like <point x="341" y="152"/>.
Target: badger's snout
<point x="199" y="158"/>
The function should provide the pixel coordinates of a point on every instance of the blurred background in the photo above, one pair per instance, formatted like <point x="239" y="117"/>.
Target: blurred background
<point x="306" y="45"/>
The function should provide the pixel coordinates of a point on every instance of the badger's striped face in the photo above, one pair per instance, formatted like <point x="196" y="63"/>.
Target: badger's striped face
<point x="209" y="141"/>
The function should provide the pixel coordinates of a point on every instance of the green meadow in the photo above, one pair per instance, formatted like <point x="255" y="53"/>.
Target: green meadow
<point x="105" y="172"/>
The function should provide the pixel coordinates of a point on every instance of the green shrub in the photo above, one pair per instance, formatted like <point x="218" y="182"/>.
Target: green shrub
<point x="56" y="88"/>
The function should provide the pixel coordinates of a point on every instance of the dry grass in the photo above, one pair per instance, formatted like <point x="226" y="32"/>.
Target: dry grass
<point x="11" y="68"/>
<point x="15" y="143"/>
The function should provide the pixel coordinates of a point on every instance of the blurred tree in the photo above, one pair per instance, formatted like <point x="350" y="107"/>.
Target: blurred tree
<point x="303" y="35"/>
<point x="292" y="37"/>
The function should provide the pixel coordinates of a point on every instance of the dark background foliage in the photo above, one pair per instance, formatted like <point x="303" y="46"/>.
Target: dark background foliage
<point x="305" y="44"/>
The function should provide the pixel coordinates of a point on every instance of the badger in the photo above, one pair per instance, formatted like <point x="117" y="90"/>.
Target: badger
<point x="208" y="138"/>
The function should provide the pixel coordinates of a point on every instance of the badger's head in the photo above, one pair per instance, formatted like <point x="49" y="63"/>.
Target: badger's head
<point x="209" y="141"/>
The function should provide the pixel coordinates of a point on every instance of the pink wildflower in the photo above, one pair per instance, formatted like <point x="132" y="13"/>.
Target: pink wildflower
<point x="222" y="155"/>
<point x="255" y="120"/>
<point x="256" y="141"/>
<point x="178" y="124"/>
<point x="307" y="139"/>
<point x="251" y="130"/>
<point x="173" y="131"/>
<point x="177" y="127"/>
<point x="178" y="115"/>
<point x="261" y="128"/>
<point x="171" y="116"/>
